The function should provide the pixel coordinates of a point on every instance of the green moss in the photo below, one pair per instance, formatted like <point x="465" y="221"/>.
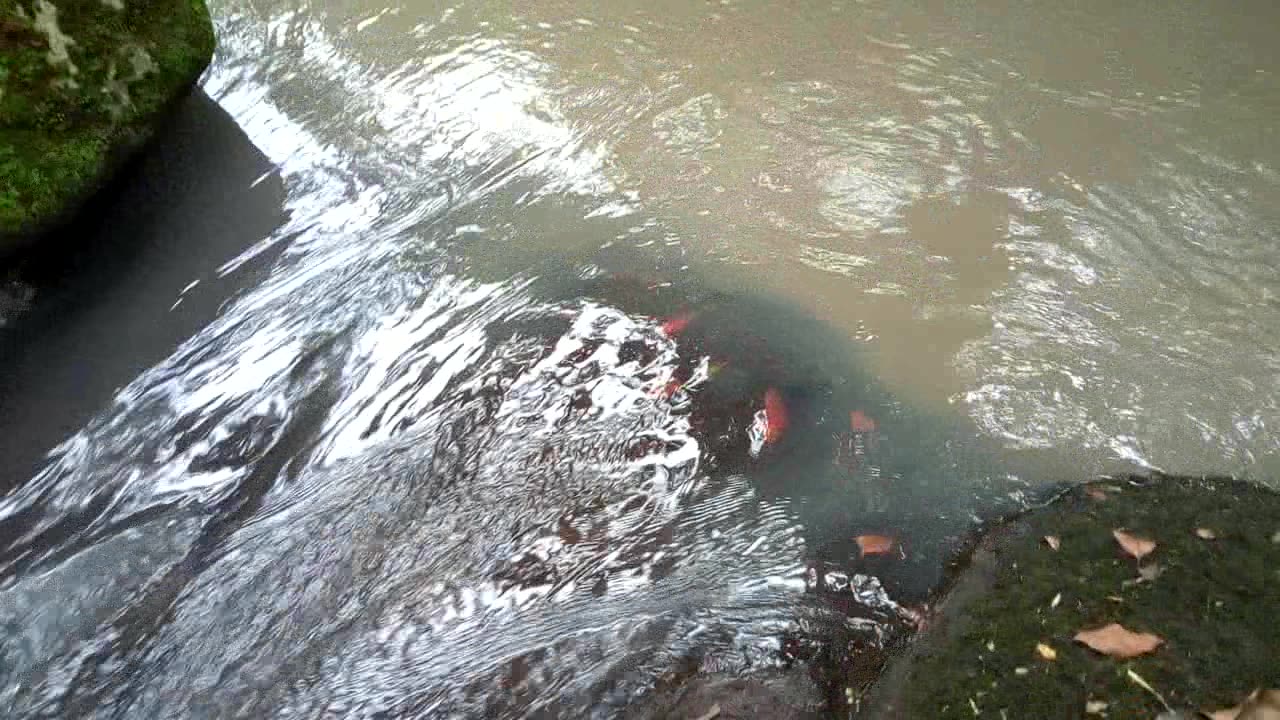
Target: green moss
<point x="1216" y="604"/>
<point x="62" y="130"/>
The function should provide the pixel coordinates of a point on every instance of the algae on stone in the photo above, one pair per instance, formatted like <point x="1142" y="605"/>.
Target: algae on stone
<point x="82" y="85"/>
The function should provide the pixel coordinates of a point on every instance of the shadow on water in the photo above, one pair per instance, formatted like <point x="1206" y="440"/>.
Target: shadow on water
<point x="150" y="262"/>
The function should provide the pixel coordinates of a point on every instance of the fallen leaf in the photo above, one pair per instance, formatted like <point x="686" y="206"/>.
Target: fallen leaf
<point x="1056" y="600"/>
<point x="860" y="422"/>
<point x="1096" y="494"/>
<point x="874" y="544"/>
<point x="1095" y="707"/>
<point x="1138" y="547"/>
<point x="1046" y="653"/>
<point x="1206" y="534"/>
<point x="1118" y="642"/>
<point x="1261" y="705"/>
<point x="1053" y="541"/>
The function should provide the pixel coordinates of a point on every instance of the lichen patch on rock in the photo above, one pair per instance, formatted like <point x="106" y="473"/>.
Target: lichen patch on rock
<point x="83" y="84"/>
<point x="46" y="21"/>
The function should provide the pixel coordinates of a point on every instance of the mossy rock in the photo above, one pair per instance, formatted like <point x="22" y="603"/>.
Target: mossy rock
<point x="1215" y="603"/>
<point x="83" y="84"/>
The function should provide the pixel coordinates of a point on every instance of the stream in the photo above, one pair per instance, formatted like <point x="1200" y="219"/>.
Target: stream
<point x="462" y="359"/>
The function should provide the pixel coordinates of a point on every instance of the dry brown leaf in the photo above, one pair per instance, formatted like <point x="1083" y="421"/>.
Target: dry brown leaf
<point x="1137" y="547"/>
<point x="1232" y="713"/>
<point x="1261" y="705"/>
<point x="874" y="544"/>
<point x="1119" y="642"/>
<point x="1206" y="534"/>
<point x="1053" y="541"/>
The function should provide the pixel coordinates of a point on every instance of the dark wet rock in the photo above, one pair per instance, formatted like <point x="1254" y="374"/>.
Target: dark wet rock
<point x="782" y="696"/>
<point x="15" y="298"/>
<point x="83" y="84"/>
<point x="1214" y="602"/>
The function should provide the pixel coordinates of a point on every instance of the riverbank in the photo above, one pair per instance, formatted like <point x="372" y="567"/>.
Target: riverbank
<point x="1125" y="598"/>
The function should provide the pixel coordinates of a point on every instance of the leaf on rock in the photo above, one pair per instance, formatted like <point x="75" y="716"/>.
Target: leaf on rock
<point x="874" y="544"/>
<point x="1135" y="546"/>
<point x="1046" y="653"/>
<point x="1206" y="534"/>
<point x="1053" y="541"/>
<point x="1119" y="642"/>
<point x="1146" y="573"/>
<point x="1260" y="705"/>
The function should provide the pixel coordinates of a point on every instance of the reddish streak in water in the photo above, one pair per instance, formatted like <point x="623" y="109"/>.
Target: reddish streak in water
<point x="875" y="544"/>
<point x="676" y="324"/>
<point x="860" y="422"/>
<point x="671" y="388"/>
<point x="776" y="413"/>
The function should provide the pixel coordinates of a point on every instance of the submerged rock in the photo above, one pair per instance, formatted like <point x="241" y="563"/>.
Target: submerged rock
<point x="83" y="84"/>
<point x="1006" y="640"/>
<point x="779" y="696"/>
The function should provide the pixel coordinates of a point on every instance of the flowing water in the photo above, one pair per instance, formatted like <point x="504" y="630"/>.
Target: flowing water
<point x="593" y="334"/>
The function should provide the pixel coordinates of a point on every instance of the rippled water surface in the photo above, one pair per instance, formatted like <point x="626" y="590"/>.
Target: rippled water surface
<point x="591" y="335"/>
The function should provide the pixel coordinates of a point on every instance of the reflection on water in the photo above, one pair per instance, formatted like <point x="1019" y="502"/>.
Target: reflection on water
<point x="596" y="334"/>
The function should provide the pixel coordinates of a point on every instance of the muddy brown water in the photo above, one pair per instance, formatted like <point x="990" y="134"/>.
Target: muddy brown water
<point x="475" y="409"/>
